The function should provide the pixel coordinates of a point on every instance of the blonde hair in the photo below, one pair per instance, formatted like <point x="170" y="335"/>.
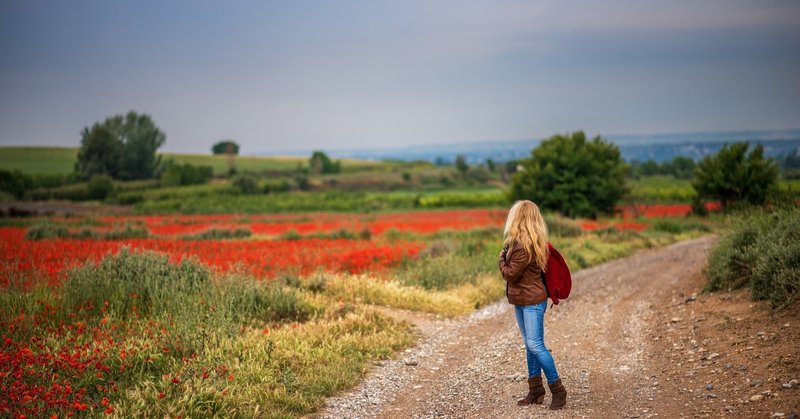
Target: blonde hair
<point x="525" y="226"/>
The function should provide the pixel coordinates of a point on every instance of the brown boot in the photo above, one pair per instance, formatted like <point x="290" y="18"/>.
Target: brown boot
<point x="535" y="392"/>
<point x="559" y="395"/>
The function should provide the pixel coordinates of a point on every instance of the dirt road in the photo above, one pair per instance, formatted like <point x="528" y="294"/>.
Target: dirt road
<point x="631" y="341"/>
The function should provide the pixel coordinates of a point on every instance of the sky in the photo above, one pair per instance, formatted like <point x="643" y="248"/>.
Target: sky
<point x="346" y="74"/>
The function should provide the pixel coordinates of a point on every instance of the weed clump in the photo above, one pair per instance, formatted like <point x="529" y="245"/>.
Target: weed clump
<point x="562" y="226"/>
<point x="45" y="231"/>
<point x="134" y="283"/>
<point x="219" y="234"/>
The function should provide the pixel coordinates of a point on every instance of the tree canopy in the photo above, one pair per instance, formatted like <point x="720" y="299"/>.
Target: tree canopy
<point x="122" y="146"/>
<point x="572" y="175"/>
<point x="225" y="147"/>
<point x="321" y="163"/>
<point x="734" y="176"/>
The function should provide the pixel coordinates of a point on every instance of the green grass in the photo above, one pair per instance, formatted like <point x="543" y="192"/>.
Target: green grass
<point x="221" y="164"/>
<point x="39" y="160"/>
<point x="61" y="160"/>
<point x="222" y="198"/>
<point x="667" y="189"/>
<point x="649" y="189"/>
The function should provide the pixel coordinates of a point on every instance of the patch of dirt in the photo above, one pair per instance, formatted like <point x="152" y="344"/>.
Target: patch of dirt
<point x="726" y="355"/>
<point x="631" y="341"/>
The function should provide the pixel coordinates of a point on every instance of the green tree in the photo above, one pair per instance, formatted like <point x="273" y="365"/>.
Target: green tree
<point x="321" y="163"/>
<point x="141" y="139"/>
<point x="15" y="182"/>
<point x="461" y="164"/>
<point x="100" y="186"/>
<point x="100" y="152"/>
<point x="122" y="146"/>
<point x="734" y="176"/>
<point x="681" y="167"/>
<point x="225" y="147"/>
<point x="572" y="175"/>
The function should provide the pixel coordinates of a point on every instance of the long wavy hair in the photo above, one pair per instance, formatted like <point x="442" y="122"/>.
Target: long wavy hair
<point x="525" y="226"/>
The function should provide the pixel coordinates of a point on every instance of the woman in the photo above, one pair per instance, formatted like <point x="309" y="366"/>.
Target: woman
<point x="522" y="262"/>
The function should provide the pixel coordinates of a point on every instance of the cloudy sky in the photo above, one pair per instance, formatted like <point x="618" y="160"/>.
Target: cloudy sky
<point x="289" y="75"/>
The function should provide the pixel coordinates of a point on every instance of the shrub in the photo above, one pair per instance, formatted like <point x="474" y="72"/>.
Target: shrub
<point x="280" y="185"/>
<point x="129" y="232"/>
<point x="291" y="235"/>
<point x="560" y="226"/>
<point x="776" y="276"/>
<point x="134" y="283"/>
<point x="46" y="230"/>
<point x="219" y="234"/>
<point x="761" y="251"/>
<point x="576" y="177"/>
<point x="15" y="182"/>
<point x="735" y="176"/>
<point x="100" y="187"/>
<point x="246" y="184"/>
<point x="185" y="174"/>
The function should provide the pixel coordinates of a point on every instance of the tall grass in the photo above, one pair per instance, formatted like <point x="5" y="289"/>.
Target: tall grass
<point x="219" y="234"/>
<point x="131" y="283"/>
<point x="453" y="258"/>
<point x="48" y="230"/>
<point x="180" y="340"/>
<point x="222" y="198"/>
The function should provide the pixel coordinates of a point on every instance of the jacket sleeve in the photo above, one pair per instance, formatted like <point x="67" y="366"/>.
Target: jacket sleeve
<point x="517" y="262"/>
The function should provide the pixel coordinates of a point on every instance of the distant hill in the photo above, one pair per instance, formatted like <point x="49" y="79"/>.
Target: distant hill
<point x="658" y="147"/>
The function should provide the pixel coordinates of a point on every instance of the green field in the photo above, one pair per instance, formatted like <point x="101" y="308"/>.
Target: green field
<point x="61" y="160"/>
<point x="39" y="160"/>
<point x="221" y="164"/>
<point x="650" y="189"/>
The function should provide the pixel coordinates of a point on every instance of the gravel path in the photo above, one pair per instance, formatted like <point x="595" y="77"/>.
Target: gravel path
<point x="474" y="366"/>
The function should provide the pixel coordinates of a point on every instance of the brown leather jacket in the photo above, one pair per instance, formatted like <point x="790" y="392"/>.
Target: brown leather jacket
<point x="524" y="285"/>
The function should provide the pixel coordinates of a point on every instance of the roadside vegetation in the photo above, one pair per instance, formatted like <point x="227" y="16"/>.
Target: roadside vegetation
<point x="188" y="334"/>
<point x="760" y="249"/>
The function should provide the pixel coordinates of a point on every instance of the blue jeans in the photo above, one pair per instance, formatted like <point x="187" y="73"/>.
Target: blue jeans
<point x="530" y="320"/>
